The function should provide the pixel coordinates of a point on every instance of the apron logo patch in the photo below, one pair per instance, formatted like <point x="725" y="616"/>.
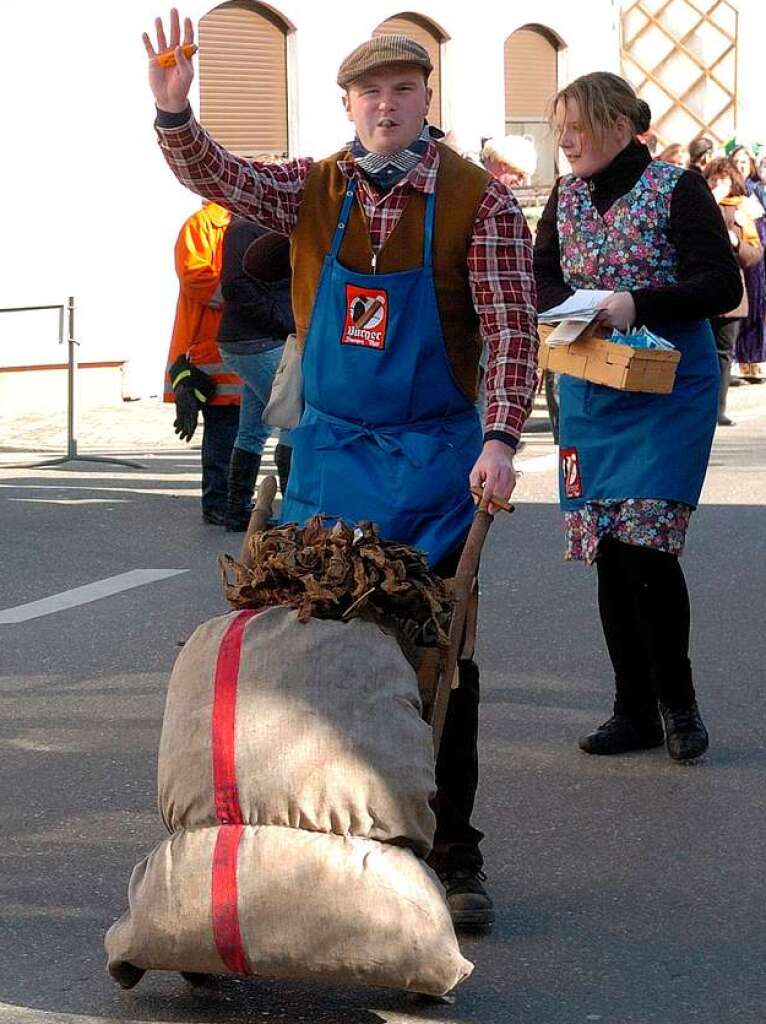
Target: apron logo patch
<point x="570" y="469"/>
<point x="366" y="317"/>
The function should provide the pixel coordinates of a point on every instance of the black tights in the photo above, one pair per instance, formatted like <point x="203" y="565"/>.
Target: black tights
<point x="644" y="607"/>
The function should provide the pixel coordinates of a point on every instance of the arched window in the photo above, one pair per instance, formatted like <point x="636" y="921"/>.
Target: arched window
<point x="531" y="79"/>
<point x="243" y="78"/>
<point x="429" y="37"/>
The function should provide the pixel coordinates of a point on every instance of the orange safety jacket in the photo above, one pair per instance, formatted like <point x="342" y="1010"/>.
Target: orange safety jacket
<point x="198" y="253"/>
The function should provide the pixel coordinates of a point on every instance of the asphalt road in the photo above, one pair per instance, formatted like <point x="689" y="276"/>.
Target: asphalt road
<point x="629" y="890"/>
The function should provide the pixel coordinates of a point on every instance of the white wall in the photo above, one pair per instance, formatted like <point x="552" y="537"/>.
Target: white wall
<point x="90" y="209"/>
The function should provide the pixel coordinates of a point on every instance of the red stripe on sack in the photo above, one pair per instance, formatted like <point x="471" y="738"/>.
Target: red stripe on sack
<point x="227" y="808"/>
<point x="226" y="931"/>
<point x="225" y="909"/>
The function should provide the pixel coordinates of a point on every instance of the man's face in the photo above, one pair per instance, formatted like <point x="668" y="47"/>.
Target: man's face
<point x="511" y="176"/>
<point x="388" y="107"/>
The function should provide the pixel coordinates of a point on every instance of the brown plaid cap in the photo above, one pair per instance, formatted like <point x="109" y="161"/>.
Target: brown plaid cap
<point x="381" y="51"/>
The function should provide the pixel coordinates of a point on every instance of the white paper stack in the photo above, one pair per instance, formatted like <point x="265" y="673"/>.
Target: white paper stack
<point x="572" y="316"/>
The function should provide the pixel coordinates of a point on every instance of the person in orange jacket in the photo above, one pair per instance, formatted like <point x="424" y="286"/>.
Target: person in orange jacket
<point x="196" y="378"/>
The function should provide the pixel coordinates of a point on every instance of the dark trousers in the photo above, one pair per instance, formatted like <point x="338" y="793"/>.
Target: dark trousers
<point x="644" y="607"/>
<point x="726" y="332"/>
<point x="456" y="843"/>
<point x="551" y="384"/>
<point x="221" y="423"/>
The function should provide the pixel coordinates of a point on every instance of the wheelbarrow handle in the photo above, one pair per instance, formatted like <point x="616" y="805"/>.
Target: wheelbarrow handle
<point x="259" y="516"/>
<point x="465" y="577"/>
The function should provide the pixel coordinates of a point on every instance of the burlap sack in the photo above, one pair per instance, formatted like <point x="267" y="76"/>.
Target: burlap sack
<point x="324" y="720"/>
<point x="287" y="903"/>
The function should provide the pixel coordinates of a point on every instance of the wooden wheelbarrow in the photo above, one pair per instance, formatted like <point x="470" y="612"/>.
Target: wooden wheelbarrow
<point x="438" y="674"/>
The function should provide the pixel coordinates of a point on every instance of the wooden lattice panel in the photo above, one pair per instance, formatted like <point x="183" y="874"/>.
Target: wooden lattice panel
<point x="681" y="57"/>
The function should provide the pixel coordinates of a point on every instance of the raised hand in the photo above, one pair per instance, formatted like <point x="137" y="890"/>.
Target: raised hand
<point x="171" y="85"/>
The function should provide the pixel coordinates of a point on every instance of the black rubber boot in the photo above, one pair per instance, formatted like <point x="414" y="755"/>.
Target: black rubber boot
<point x="283" y="456"/>
<point x="685" y="732"/>
<point x="469" y="903"/>
<point x="723" y="390"/>
<point x="621" y="734"/>
<point x="243" y="473"/>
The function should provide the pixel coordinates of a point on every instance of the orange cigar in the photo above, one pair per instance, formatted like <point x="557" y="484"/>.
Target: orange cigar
<point x="167" y="58"/>
<point x="495" y="500"/>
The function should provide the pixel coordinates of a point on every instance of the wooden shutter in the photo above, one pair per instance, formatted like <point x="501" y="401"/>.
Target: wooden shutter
<point x="531" y="75"/>
<point x="243" y="78"/>
<point x="422" y="32"/>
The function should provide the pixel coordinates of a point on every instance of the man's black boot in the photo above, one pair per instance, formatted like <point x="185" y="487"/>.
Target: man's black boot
<point x="685" y="732"/>
<point x="283" y="456"/>
<point x="243" y="472"/>
<point x="469" y="903"/>
<point x="623" y="733"/>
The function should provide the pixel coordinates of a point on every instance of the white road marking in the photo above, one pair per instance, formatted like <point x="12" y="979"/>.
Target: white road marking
<point x="72" y="474"/>
<point x="22" y="1015"/>
<point x="162" y="491"/>
<point x="84" y="595"/>
<point x="74" y="501"/>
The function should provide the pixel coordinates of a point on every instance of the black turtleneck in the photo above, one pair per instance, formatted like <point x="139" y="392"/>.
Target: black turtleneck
<point x="709" y="282"/>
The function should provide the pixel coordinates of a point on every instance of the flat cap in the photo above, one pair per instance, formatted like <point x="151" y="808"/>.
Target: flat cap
<point x="380" y="52"/>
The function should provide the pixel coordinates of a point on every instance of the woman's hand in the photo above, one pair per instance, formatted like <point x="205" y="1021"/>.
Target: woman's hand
<point x="619" y="311"/>
<point x="171" y="85"/>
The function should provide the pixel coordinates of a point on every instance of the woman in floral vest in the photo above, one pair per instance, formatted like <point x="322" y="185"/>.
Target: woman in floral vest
<point x="633" y="464"/>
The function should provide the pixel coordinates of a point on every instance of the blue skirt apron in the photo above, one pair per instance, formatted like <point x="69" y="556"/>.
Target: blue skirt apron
<point x="625" y="444"/>
<point x="387" y="435"/>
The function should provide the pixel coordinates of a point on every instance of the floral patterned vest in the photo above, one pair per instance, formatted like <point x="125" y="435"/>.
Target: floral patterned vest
<point x="629" y="246"/>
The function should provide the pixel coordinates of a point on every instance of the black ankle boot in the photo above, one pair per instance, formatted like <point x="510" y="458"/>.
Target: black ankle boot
<point x="469" y="903"/>
<point x="685" y="732"/>
<point x="243" y="473"/>
<point x="283" y="456"/>
<point x="623" y="733"/>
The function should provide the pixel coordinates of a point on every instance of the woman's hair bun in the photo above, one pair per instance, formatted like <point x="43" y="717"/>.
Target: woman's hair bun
<point x="643" y="119"/>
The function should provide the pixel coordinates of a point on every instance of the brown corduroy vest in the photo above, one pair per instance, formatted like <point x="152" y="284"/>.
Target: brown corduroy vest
<point x="459" y="190"/>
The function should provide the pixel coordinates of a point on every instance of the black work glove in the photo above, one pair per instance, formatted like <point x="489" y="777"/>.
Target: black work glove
<point x="192" y="389"/>
<point x="187" y="412"/>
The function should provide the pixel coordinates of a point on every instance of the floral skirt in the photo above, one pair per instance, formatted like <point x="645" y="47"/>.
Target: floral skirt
<point x="648" y="522"/>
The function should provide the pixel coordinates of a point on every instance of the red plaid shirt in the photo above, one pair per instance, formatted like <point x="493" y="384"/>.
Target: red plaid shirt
<point x="499" y="259"/>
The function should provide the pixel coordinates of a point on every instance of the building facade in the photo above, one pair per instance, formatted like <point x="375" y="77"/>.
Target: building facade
<point x="93" y="212"/>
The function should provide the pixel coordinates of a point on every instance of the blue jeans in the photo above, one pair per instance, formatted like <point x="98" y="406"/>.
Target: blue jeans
<point x="257" y="372"/>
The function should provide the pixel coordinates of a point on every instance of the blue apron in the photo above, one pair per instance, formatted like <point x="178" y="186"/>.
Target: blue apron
<point x="626" y="444"/>
<point x="387" y="435"/>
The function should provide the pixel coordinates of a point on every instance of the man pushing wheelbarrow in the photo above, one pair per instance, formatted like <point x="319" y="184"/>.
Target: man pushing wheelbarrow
<point x="405" y="259"/>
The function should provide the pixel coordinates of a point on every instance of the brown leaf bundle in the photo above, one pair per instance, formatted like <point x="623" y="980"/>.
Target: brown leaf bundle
<point x="338" y="572"/>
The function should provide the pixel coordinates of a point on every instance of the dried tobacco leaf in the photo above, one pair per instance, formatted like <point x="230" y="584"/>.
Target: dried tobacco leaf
<point x="340" y="573"/>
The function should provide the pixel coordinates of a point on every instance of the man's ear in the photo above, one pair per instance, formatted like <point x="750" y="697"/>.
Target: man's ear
<point x="346" y="105"/>
<point x="429" y="97"/>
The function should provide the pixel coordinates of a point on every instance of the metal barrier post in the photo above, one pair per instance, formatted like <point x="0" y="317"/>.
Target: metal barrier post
<point x="71" y="418"/>
<point x="72" y="396"/>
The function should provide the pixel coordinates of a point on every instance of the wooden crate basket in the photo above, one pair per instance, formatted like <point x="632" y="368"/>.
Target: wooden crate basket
<point x="592" y="357"/>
